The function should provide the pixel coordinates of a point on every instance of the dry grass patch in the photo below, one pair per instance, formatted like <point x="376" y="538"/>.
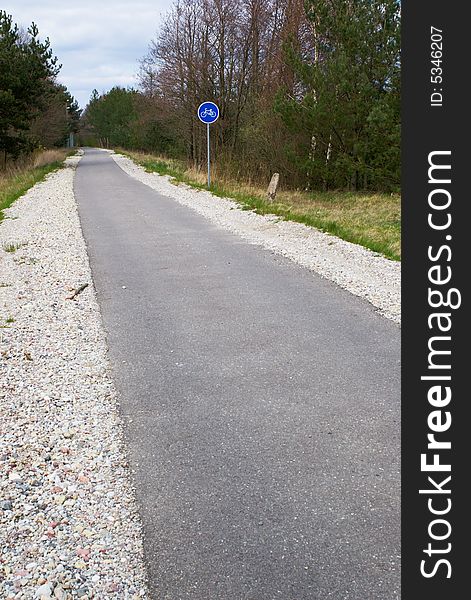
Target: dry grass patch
<point x="370" y="219"/>
<point x="19" y="176"/>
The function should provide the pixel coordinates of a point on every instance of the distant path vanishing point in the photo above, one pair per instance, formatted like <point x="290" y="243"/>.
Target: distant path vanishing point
<point x="260" y="402"/>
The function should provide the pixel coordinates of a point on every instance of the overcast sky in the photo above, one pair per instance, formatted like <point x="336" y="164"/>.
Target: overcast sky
<point x="98" y="42"/>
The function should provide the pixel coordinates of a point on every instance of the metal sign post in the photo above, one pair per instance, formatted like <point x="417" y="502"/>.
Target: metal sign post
<point x="209" y="163"/>
<point x="208" y="113"/>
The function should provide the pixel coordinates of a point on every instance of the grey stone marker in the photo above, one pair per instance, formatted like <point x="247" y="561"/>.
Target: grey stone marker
<point x="272" y="187"/>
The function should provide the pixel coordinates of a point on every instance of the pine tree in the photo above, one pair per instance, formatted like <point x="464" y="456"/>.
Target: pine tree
<point x="27" y="67"/>
<point x="346" y="110"/>
<point x="112" y="116"/>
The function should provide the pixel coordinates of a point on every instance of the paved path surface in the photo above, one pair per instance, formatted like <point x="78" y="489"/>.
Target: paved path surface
<point x="261" y="406"/>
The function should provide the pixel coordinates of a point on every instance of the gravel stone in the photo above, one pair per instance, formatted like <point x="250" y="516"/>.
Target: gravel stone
<point x="68" y="525"/>
<point x="68" y="520"/>
<point x="354" y="268"/>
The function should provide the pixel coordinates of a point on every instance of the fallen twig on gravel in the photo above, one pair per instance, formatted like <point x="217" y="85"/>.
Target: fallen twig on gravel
<point x="77" y="291"/>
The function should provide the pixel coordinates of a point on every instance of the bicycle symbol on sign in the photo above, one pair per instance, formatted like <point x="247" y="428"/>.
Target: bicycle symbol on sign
<point x="207" y="112"/>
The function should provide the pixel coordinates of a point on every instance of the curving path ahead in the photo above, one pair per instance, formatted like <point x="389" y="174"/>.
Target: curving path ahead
<point x="261" y="406"/>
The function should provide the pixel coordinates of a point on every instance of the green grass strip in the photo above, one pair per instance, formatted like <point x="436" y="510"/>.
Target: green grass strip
<point x="14" y="186"/>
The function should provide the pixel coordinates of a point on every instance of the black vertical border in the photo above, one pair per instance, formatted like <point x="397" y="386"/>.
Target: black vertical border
<point x="426" y="129"/>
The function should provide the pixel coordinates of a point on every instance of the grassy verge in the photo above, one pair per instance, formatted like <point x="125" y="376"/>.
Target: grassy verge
<point x="370" y="219"/>
<point x="18" y="178"/>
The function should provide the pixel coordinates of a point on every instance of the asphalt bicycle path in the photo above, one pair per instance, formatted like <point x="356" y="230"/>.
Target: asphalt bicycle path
<point x="260" y="402"/>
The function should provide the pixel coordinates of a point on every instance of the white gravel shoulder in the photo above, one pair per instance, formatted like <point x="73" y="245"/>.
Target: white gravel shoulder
<point x="354" y="268"/>
<point x="69" y="526"/>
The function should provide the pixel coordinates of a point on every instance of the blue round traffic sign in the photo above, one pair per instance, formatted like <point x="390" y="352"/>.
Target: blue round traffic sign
<point x="208" y="112"/>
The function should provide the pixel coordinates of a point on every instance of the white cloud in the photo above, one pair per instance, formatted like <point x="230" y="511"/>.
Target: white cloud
<point x="98" y="43"/>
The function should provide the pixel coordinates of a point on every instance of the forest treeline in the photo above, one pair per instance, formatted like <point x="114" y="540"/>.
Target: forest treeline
<point x="35" y="110"/>
<point x="309" y="89"/>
